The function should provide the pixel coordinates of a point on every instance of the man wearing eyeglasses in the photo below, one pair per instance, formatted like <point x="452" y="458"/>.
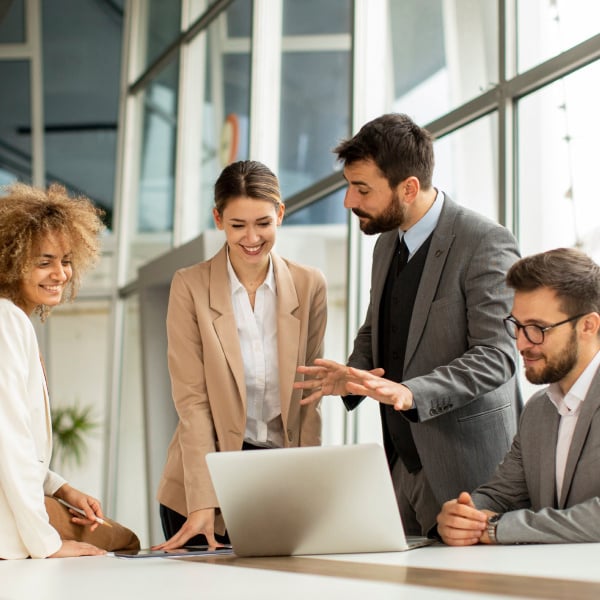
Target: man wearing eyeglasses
<point x="547" y="489"/>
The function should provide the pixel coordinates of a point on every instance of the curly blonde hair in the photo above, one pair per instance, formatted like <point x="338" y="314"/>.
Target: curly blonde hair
<point x="27" y="215"/>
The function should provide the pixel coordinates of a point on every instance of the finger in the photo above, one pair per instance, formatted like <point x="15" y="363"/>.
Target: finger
<point x="314" y="397"/>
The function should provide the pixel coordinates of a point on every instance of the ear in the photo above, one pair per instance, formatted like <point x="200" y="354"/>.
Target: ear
<point x="409" y="189"/>
<point x="280" y="213"/>
<point x="591" y="324"/>
<point x="217" y="218"/>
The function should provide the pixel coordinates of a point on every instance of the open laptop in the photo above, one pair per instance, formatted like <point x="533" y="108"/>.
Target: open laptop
<point x="312" y="500"/>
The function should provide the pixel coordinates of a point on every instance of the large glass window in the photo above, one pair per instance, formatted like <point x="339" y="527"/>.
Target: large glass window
<point x="559" y="128"/>
<point x="15" y="123"/>
<point x="81" y="92"/>
<point x="548" y="27"/>
<point x="466" y="166"/>
<point x="154" y="218"/>
<point x="161" y="25"/>
<point x="12" y="22"/>
<point x="315" y="112"/>
<point x="443" y="54"/>
<point x="226" y="108"/>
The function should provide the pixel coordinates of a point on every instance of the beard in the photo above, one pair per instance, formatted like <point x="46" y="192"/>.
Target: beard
<point x="392" y="217"/>
<point x="558" y="367"/>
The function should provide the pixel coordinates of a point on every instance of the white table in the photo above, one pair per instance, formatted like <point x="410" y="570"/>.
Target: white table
<point x="553" y="571"/>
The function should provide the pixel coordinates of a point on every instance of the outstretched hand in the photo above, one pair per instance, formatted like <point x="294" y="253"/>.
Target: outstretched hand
<point x="370" y="383"/>
<point x="326" y="378"/>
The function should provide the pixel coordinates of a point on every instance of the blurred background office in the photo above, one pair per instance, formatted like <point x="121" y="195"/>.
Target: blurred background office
<point x="139" y="104"/>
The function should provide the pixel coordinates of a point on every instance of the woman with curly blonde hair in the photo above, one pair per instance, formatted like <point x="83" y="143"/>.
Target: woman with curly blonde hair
<point x="47" y="241"/>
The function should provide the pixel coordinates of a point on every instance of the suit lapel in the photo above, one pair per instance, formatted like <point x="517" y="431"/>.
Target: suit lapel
<point x="441" y="242"/>
<point x="288" y="333"/>
<point x="545" y="445"/>
<point x="588" y="409"/>
<point x="224" y="323"/>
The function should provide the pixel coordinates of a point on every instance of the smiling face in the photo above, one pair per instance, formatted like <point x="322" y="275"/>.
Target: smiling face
<point x="49" y="274"/>
<point x="250" y="226"/>
<point x="557" y="358"/>
<point x="371" y="199"/>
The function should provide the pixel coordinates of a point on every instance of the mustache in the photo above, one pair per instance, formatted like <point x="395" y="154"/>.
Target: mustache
<point x="360" y="213"/>
<point x="530" y="356"/>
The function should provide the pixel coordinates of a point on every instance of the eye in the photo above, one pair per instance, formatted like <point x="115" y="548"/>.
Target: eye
<point x="363" y="192"/>
<point x="265" y="224"/>
<point x="67" y="262"/>
<point x="236" y="226"/>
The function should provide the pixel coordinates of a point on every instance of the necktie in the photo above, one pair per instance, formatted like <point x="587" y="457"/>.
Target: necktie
<point x="403" y="254"/>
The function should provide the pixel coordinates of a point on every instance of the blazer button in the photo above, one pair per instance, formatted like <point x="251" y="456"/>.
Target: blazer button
<point x="290" y="435"/>
<point x="432" y="412"/>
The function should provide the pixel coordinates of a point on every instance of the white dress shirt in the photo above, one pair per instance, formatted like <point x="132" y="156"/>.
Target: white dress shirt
<point x="569" y="407"/>
<point x="257" y="332"/>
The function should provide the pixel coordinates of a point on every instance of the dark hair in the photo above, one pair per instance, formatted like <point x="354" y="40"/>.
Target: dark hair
<point x="249" y="179"/>
<point x="572" y="274"/>
<point x="27" y="215"/>
<point x="397" y="145"/>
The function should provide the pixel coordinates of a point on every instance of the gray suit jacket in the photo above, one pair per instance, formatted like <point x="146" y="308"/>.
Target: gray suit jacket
<point x="460" y="362"/>
<point x="524" y="485"/>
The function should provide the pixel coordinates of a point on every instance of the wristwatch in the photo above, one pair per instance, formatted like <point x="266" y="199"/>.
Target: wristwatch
<point x="492" y="524"/>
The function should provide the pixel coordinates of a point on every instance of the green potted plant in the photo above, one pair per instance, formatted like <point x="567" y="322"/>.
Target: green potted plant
<point x="70" y="425"/>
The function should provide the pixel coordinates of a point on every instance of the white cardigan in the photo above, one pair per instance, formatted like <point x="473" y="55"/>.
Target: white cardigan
<point x="25" y="442"/>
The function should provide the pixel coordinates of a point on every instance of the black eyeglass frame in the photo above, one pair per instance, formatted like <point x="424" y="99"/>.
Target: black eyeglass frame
<point x="542" y="330"/>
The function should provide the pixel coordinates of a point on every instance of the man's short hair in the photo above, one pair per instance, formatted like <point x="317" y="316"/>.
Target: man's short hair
<point x="572" y="274"/>
<point x="396" y="144"/>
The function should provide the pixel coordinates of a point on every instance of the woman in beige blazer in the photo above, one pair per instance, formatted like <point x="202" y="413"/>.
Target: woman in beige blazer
<point x="47" y="240"/>
<point x="238" y="325"/>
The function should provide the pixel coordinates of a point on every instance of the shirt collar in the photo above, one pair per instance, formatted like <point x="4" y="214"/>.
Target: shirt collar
<point x="235" y="283"/>
<point x="422" y="229"/>
<point x="569" y="402"/>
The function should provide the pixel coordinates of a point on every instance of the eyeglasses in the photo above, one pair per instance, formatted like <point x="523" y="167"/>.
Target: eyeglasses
<point x="534" y="333"/>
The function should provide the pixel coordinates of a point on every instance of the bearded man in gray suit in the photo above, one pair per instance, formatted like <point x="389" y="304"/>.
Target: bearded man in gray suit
<point x="547" y="488"/>
<point x="449" y="399"/>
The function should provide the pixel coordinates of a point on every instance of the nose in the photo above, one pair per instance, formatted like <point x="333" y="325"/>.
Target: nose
<point x="252" y="234"/>
<point x="350" y="199"/>
<point x="60" y="273"/>
<point x="522" y="341"/>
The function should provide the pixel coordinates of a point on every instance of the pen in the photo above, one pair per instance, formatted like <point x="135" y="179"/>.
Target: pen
<point x="81" y="511"/>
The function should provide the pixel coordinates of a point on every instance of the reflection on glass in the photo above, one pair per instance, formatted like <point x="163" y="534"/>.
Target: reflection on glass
<point x="226" y="111"/>
<point x="157" y="168"/>
<point x="131" y="487"/>
<point x="12" y="22"/>
<point x="466" y="166"/>
<point x="443" y="54"/>
<point x="77" y="334"/>
<point x="15" y="123"/>
<point x="315" y="17"/>
<point x="315" y="115"/>
<point x="558" y="165"/>
<point x="324" y="247"/>
<point x="161" y="26"/>
<point x="546" y="28"/>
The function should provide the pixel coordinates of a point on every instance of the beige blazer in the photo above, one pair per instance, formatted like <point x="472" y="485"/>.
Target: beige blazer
<point x="207" y="372"/>
<point x="25" y="442"/>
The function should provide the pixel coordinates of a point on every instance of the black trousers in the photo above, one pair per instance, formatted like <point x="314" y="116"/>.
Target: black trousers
<point x="172" y="521"/>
